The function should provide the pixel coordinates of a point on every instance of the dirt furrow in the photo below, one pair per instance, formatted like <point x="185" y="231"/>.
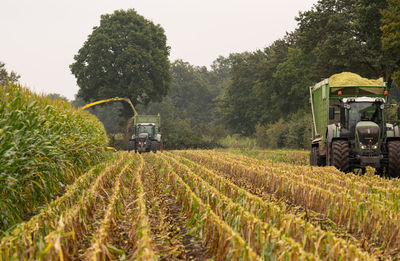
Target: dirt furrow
<point x="317" y="219"/>
<point x="170" y="237"/>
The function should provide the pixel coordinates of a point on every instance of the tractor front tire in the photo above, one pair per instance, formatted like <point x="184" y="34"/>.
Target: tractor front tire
<point x="394" y="158"/>
<point x="341" y="155"/>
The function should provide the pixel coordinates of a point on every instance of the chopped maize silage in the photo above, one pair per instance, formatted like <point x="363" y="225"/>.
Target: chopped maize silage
<point x="352" y="79"/>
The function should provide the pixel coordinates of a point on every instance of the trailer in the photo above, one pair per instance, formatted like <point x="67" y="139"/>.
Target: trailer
<point x="350" y="129"/>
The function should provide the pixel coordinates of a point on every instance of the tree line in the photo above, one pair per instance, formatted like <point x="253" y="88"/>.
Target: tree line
<point x="264" y="93"/>
<point x="261" y="94"/>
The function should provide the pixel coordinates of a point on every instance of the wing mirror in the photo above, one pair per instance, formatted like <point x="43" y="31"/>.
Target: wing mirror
<point x="331" y="113"/>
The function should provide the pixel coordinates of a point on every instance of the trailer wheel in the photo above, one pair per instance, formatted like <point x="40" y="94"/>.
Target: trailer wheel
<point x="394" y="158"/>
<point x="341" y="155"/>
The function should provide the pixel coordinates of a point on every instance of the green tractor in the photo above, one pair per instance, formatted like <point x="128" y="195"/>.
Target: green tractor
<point x="146" y="128"/>
<point x="350" y="130"/>
<point x="146" y="134"/>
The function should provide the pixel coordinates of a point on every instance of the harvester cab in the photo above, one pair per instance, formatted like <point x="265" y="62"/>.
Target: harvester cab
<point x="358" y="134"/>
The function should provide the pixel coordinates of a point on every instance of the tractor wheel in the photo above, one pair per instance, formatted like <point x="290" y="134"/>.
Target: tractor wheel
<point x="341" y="155"/>
<point x="314" y="156"/>
<point x="394" y="158"/>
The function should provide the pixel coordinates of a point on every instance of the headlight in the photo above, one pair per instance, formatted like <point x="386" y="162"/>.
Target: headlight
<point x="363" y="147"/>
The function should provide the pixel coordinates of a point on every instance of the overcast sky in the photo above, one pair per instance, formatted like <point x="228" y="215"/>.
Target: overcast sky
<point x="38" y="39"/>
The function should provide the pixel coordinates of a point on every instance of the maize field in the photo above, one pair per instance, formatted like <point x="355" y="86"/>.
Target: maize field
<point x="213" y="204"/>
<point x="45" y="144"/>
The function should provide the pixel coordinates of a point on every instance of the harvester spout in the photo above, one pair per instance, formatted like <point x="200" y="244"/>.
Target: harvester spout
<point x="110" y="100"/>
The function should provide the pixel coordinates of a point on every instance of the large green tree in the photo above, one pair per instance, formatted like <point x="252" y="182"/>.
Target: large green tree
<point x="126" y="56"/>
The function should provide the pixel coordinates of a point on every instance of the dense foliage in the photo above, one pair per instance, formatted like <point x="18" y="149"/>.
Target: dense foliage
<point x="390" y="33"/>
<point x="125" y="56"/>
<point x="44" y="144"/>
<point x="269" y="88"/>
<point x="189" y="113"/>
<point x="264" y="93"/>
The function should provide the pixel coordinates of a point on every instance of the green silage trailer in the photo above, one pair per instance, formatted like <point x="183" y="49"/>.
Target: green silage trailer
<point x="350" y="130"/>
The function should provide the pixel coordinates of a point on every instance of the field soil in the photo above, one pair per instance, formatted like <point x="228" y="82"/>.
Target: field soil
<point x="220" y="205"/>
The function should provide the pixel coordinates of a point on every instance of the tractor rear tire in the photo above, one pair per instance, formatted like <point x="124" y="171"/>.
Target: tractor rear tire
<point x="394" y="158"/>
<point x="341" y="155"/>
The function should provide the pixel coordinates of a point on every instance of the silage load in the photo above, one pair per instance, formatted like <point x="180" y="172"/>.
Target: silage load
<point x="352" y="79"/>
<point x="44" y="145"/>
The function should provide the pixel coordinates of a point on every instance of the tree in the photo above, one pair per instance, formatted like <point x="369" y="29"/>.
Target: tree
<point x="293" y="79"/>
<point x="189" y="112"/>
<point x="327" y="32"/>
<point x="390" y="34"/>
<point x="5" y="76"/>
<point x="345" y="35"/>
<point x="125" y="56"/>
<point x="240" y="104"/>
<point x="56" y="96"/>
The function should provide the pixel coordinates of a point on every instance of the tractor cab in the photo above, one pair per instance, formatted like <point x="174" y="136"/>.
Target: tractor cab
<point x="363" y="122"/>
<point x="146" y="136"/>
<point x="148" y="128"/>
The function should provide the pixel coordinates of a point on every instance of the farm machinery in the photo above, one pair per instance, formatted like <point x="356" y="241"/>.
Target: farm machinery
<point x="350" y="130"/>
<point x="146" y="128"/>
<point x="146" y="134"/>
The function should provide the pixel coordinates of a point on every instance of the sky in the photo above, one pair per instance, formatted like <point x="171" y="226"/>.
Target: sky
<point x="38" y="39"/>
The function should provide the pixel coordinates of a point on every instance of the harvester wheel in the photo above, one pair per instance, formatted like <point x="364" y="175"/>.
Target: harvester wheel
<point x="131" y="145"/>
<point x="341" y="155"/>
<point x="314" y="156"/>
<point x="154" y="146"/>
<point x="394" y="158"/>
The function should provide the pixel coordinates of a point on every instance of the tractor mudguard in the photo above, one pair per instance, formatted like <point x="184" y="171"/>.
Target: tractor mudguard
<point x="332" y="132"/>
